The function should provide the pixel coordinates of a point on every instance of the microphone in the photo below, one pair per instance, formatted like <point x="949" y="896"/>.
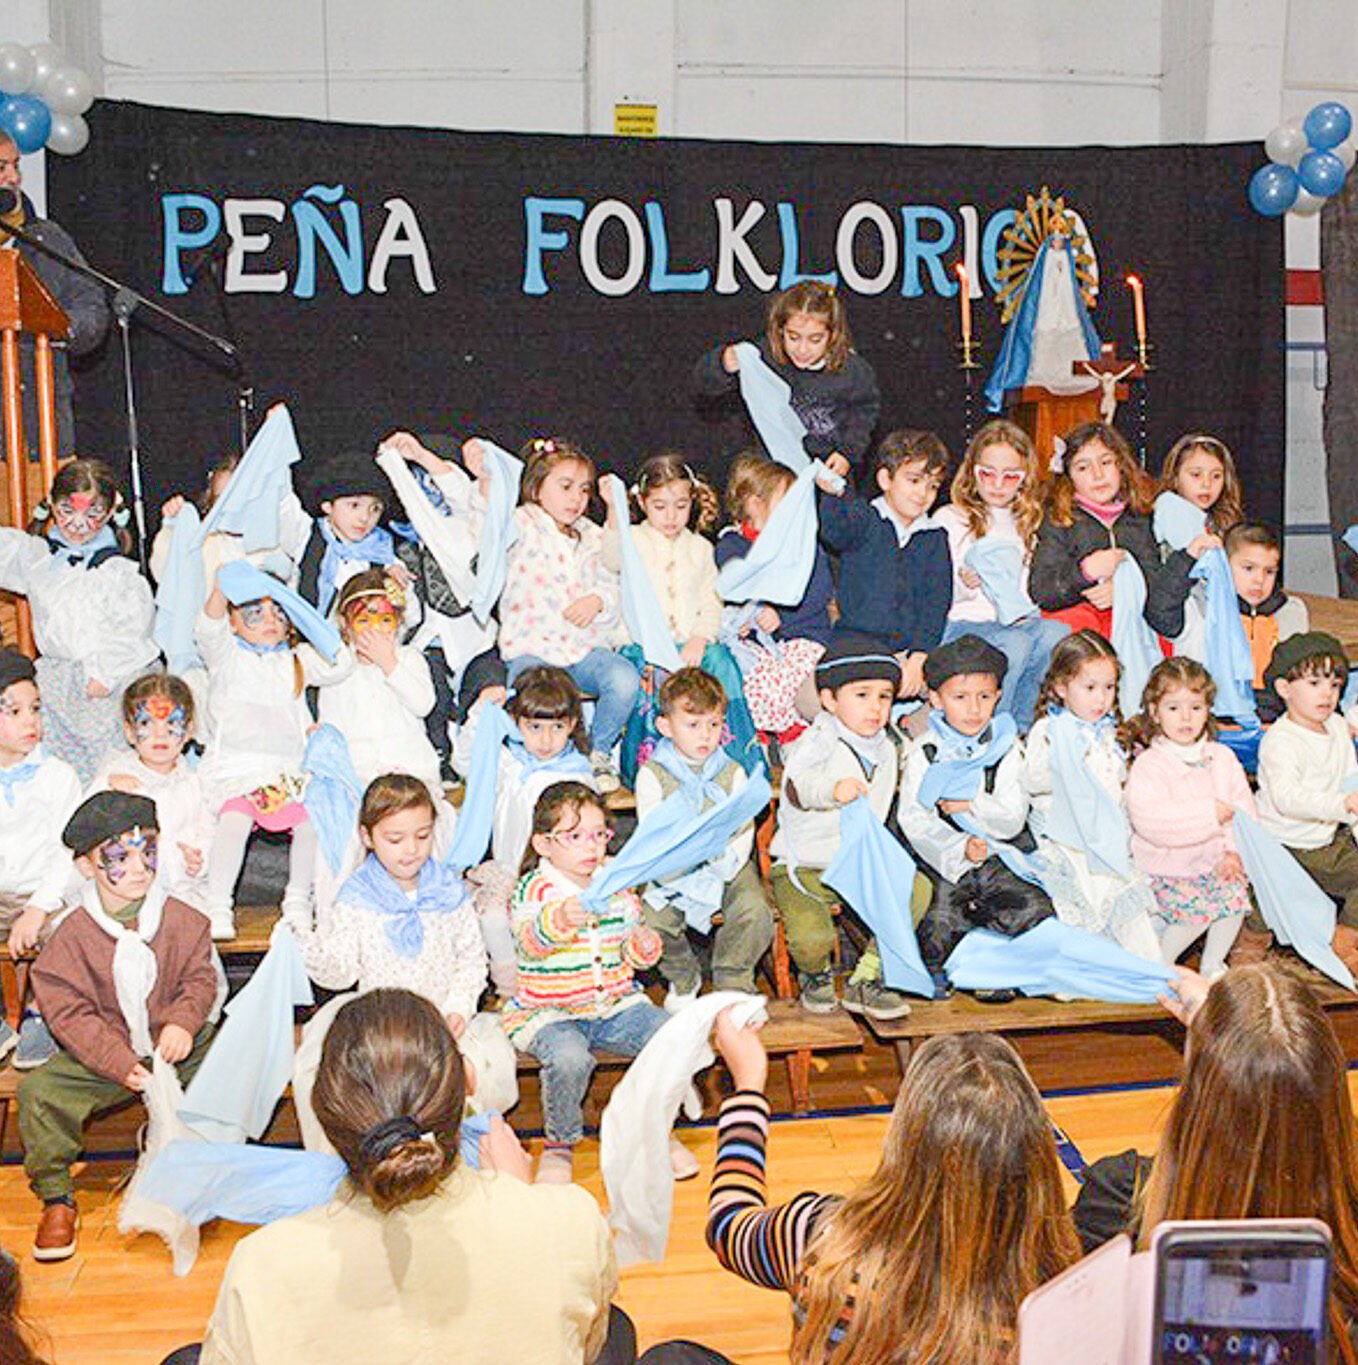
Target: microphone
<point x="10" y="199"/>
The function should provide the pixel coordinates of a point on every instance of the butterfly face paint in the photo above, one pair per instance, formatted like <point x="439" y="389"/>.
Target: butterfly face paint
<point x="129" y="858"/>
<point x="157" y="715"/>
<point x="80" y="516"/>
<point x="255" y="614"/>
<point x="373" y="613"/>
<point x="260" y="623"/>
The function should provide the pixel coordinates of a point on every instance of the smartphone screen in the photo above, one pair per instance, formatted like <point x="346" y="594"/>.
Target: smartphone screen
<point x="1243" y="1301"/>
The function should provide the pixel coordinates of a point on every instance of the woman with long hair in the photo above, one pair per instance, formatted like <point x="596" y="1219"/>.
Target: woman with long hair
<point x="927" y="1261"/>
<point x="419" y="1257"/>
<point x="1262" y="1127"/>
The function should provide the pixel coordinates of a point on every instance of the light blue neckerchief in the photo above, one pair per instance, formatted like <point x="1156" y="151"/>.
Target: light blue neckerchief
<point x="475" y="819"/>
<point x="956" y="770"/>
<point x="780" y="562"/>
<point x="699" y="786"/>
<point x="372" y="887"/>
<point x="377" y="547"/>
<point x="640" y="607"/>
<point x="956" y="774"/>
<point x="1056" y="959"/>
<point x="20" y="773"/>
<point x="768" y="399"/>
<point x="333" y="791"/>
<point x="1177" y="522"/>
<point x="999" y="565"/>
<point x="249" y="505"/>
<point x="1137" y="646"/>
<point x="1084" y="815"/>
<point x="876" y="876"/>
<point x="253" y="647"/>
<point x="497" y="532"/>
<point x="102" y="540"/>
<point x="242" y="582"/>
<point x="1293" y="906"/>
<point x="672" y="840"/>
<point x="570" y="762"/>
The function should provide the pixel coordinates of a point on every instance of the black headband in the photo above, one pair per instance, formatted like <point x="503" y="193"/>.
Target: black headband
<point x="382" y="1139"/>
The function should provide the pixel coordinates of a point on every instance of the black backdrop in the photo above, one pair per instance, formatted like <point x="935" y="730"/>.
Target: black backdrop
<point x="480" y="354"/>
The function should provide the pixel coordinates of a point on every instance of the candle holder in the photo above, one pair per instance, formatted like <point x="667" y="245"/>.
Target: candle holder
<point x="968" y="348"/>
<point x="1144" y="350"/>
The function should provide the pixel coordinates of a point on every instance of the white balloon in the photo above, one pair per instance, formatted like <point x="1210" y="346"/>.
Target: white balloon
<point x="17" y="68"/>
<point x="1347" y="152"/>
<point x="1307" y="203"/>
<point x="69" y="134"/>
<point x="46" y="58"/>
<point x="1287" y="142"/>
<point x="68" y="90"/>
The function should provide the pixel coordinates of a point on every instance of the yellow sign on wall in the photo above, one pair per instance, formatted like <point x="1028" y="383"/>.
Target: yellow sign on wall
<point x="634" y="120"/>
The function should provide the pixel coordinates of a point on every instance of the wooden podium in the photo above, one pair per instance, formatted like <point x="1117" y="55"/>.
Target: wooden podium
<point x="26" y="306"/>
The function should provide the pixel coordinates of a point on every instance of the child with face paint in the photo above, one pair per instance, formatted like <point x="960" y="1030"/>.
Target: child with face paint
<point x="92" y="609"/>
<point x="129" y="972"/>
<point x="38" y="792"/>
<point x="380" y="707"/>
<point x="158" y="716"/>
<point x="256" y="731"/>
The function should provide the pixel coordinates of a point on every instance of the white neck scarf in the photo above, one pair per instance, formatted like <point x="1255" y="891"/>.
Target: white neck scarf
<point x="134" y="964"/>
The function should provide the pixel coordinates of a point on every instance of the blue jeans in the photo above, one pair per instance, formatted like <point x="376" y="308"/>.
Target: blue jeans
<point x="566" y="1051"/>
<point x="1028" y="646"/>
<point x="609" y="679"/>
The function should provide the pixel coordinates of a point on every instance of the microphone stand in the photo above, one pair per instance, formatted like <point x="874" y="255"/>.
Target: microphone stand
<point x="245" y="388"/>
<point x="125" y="301"/>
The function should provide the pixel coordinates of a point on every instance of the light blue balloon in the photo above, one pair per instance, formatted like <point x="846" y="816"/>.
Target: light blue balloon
<point x="27" y="120"/>
<point x="1273" y="189"/>
<point x="1327" y="125"/>
<point x="1321" y="173"/>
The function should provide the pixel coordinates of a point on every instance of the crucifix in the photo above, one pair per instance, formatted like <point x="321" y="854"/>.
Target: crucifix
<point x="1110" y="373"/>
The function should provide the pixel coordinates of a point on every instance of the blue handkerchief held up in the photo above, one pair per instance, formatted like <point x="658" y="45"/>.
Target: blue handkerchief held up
<point x="779" y="564"/>
<point x="249" y="506"/>
<point x="333" y="792"/>
<point x="475" y="820"/>
<point x="181" y="592"/>
<point x="1136" y="643"/>
<point x="1292" y="905"/>
<point x="1176" y="522"/>
<point x="1056" y="959"/>
<point x="242" y="582"/>
<point x="640" y="607"/>
<point x="999" y="564"/>
<point x="768" y="399"/>
<point x="235" y="1091"/>
<point x="672" y="840"/>
<point x="497" y="535"/>
<point x="874" y="873"/>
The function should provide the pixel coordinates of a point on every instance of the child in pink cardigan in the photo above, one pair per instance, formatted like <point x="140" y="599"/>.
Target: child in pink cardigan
<point x="1182" y="793"/>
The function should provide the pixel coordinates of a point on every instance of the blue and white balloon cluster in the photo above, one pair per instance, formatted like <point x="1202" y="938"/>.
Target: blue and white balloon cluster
<point x="1308" y="162"/>
<point x="43" y="97"/>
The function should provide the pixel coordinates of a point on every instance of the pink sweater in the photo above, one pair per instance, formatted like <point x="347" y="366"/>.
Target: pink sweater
<point x="1172" y="807"/>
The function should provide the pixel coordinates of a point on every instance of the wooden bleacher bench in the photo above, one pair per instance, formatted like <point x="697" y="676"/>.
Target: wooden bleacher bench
<point x="1337" y="616"/>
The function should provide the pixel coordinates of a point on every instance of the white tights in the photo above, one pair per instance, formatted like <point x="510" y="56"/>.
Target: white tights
<point x="228" y="857"/>
<point x="1221" y="933"/>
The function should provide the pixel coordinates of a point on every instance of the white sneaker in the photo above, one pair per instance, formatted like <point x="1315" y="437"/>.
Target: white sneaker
<point x="677" y="1000"/>
<point x="605" y="774"/>
<point x="297" y="909"/>
<point x="683" y="1163"/>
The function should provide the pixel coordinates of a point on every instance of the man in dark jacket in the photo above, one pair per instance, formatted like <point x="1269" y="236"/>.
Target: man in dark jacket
<point x="80" y="298"/>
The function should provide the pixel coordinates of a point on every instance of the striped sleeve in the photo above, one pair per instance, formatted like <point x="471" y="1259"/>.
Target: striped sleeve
<point x="760" y="1244"/>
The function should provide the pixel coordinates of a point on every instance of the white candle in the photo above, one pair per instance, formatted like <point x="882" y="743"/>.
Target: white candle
<point x="964" y="295"/>
<point x="1139" y="305"/>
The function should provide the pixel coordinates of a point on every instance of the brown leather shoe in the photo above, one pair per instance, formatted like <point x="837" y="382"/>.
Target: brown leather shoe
<point x="56" y="1235"/>
<point x="1250" y="946"/>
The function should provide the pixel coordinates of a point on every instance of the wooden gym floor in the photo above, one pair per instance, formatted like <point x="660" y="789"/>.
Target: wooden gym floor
<point x="117" y="1303"/>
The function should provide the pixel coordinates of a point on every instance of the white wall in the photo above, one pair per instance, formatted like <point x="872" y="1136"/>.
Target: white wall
<point x="995" y="72"/>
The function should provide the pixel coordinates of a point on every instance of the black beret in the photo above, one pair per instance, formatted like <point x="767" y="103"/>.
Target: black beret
<point x="851" y="657"/>
<point x="966" y="654"/>
<point x="15" y="667"/>
<point x="1296" y="649"/>
<point x="105" y="816"/>
<point x="349" y="474"/>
